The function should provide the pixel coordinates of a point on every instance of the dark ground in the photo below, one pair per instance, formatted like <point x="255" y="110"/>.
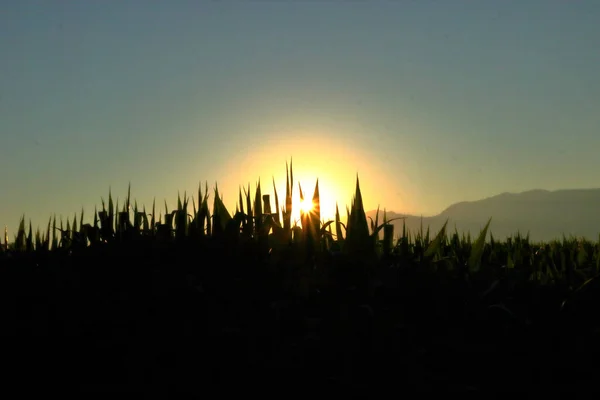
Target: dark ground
<point x="166" y="330"/>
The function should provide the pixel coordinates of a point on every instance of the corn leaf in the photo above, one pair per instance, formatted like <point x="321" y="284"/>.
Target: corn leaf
<point x="435" y="245"/>
<point x="477" y="249"/>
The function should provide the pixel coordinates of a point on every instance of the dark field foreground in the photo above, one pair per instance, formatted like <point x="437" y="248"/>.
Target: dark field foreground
<point x="158" y="324"/>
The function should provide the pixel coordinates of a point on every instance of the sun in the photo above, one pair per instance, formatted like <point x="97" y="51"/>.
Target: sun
<point x="306" y="205"/>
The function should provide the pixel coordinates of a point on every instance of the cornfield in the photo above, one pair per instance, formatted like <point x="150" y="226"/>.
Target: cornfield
<point x="359" y="288"/>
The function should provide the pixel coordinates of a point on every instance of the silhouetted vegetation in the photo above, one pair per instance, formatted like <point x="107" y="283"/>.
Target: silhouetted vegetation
<point x="195" y="300"/>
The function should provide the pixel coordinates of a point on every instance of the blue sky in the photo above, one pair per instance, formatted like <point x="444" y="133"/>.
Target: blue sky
<point x="430" y="102"/>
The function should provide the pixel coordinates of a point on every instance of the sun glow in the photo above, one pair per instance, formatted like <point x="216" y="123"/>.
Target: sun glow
<point x="306" y="205"/>
<point x="336" y="173"/>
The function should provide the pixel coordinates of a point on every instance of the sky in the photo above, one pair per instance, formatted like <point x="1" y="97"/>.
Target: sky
<point x="427" y="102"/>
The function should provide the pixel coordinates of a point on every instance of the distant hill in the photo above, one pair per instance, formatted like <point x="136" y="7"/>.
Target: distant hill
<point x="546" y="215"/>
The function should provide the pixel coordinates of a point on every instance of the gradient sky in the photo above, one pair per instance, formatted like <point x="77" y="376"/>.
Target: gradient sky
<point x="430" y="102"/>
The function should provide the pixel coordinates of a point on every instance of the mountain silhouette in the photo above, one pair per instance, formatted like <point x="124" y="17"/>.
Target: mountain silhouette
<point x="545" y="215"/>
